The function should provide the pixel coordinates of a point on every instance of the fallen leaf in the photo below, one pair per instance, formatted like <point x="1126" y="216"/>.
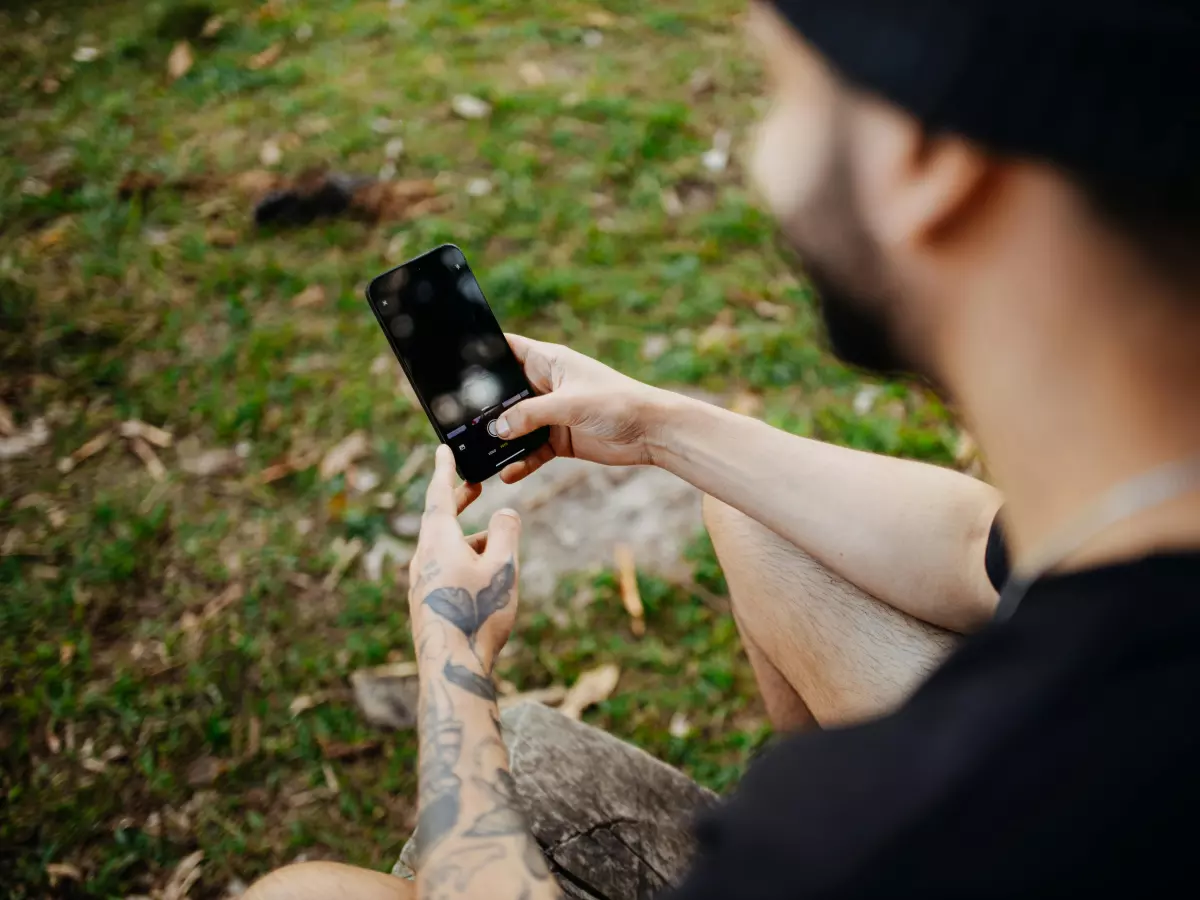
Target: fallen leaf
<point x="256" y="182"/>
<point x="224" y="238"/>
<point x="384" y="125"/>
<point x="54" y="235"/>
<point x="340" y="750"/>
<point x="387" y="695"/>
<point x="777" y="311"/>
<point x="180" y="61"/>
<point x="479" y="187"/>
<point x="343" y="454"/>
<point x="8" y="426"/>
<point x="630" y="595"/>
<point x="85" y="54"/>
<point x="531" y="73"/>
<point x="266" y="58"/>
<point x="466" y="106"/>
<point x="386" y="549"/>
<point x="135" y="428"/>
<point x="212" y="27"/>
<point x="701" y="83"/>
<point x="331" y="781"/>
<point x="600" y="18"/>
<point x="654" y="346"/>
<point x="680" y="727"/>
<point x="345" y="553"/>
<point x="593" y="686"/>
<point x="59" y="871"/>
<point x="85" y="452"/>
<point x="550" y="696"/>
<point x="43" y="572"/>
<point x="313" y="295"/>
<point x="394" y="148"/>
<point x="22" y="443"/>
<point x="207" y="463"/>
<point x="204" y="771"/>
<point x="186" y="874"/>
<point x="53" y="742"/>
<point x="389" y="201"/>
<point x="864" y="400"/>
<point x="417" y="460"/>
<point x="304" y="702"/>
<point x="254" y="739"/>
<point x="593" y="38"/>
<point x="270" y="153"/>
<point x="716" y="159"/>
<point x="149" y="458"/>
<point x="720" y="333"/>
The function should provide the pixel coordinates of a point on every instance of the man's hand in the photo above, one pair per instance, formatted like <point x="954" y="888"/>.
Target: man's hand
<point x="594" y="412"/>
<point x="468" y="583"/>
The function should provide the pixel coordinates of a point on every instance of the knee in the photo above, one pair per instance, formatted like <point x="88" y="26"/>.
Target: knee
<point x="326" y="880"/>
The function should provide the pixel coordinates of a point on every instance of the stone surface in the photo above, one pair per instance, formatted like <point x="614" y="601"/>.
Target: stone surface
<point x="575" y="513"/>
<point x="613" y="822"/>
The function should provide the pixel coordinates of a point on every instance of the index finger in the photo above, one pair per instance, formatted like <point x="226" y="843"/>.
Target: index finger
<point x="440" y="504"/>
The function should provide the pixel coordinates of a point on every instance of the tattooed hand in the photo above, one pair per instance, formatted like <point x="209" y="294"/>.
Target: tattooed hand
<point x="468" y="583"/>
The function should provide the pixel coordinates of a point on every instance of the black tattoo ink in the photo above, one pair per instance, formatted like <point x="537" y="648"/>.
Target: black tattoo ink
<point x="479" y="685"/>
<point x="440" y="790"/>
<point x="504" y="819"/>
<point x="455" y="876"/>
<point x="467" y="613"/>
<point x="430" y="570"/>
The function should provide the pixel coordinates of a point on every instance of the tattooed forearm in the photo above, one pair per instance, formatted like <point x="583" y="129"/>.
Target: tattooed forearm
<point x="503" y="818"/>
<point x="468" y="613"/>
<point x="472" y="682"/>
<point x="440" y="789"/>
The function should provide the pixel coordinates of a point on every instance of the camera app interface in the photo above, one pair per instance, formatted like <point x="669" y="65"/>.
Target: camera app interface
<point x="457" y="356"/>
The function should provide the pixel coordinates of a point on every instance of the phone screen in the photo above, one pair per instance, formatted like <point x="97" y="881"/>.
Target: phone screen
<point x="445" y="335"/>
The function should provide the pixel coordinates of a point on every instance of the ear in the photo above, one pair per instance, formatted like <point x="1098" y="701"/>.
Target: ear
<point x="917" y="189"/>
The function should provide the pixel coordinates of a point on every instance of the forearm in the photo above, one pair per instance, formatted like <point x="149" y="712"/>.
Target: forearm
<point x="910" y="534"/>
<point x="473" y="840"/>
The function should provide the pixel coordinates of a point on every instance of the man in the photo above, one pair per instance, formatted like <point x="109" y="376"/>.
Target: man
<point x="1004" y="197"/>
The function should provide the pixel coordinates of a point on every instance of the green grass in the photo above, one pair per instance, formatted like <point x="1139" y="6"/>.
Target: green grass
<point x="115" y="309"/>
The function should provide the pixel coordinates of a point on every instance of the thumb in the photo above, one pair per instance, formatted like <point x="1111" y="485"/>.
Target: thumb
<point x="530" y="415"/>
<point x="504" y="534"/>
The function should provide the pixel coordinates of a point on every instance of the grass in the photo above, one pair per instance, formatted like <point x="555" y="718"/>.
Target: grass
<point x="131" y="734"/>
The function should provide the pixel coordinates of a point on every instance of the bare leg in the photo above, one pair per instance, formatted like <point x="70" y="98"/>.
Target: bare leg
<point x="329" y="881"/>
<point x="822" y="650"/>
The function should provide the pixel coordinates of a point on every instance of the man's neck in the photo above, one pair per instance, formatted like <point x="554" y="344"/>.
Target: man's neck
<point x="1084" y="384"/>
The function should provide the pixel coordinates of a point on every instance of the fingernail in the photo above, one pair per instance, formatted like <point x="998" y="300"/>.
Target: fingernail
<point x="502" y="427"/>
<point x="511" y="513"/>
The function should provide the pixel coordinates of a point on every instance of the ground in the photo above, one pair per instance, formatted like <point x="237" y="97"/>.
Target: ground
<point x="176" y="642"/>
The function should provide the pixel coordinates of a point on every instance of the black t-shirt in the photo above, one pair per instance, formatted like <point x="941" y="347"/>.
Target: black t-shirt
<point x="1054" y="754"/>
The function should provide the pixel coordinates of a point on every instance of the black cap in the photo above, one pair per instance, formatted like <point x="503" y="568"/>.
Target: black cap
<point x="1106" y="88"/>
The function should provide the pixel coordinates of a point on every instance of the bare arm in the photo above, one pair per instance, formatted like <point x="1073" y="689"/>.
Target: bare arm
<point x="472" y="837"/>
<point x="911" y="534"/>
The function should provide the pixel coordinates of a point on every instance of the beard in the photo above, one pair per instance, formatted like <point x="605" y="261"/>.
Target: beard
<point x="846" y="269"/>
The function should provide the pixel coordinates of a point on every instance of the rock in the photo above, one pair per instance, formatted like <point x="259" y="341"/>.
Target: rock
<point x="387" y="695"/>
<point x="613" y="822"/>
<point x="647" y="508"/>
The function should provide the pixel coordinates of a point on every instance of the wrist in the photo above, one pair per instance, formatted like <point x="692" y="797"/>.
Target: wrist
<point x="663" y="414"/>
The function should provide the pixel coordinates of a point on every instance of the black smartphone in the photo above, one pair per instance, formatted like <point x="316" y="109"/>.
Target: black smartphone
<point x="442" y="330"/>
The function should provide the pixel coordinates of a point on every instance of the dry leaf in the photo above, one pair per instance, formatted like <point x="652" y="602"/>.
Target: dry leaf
<point x="204" y="771"/>
<point x="58" y="871"/>
<point x="777" y="311"/>
<point x="54" y="235"/>
<point x="343" y="454"/>
<point x="466" y="106"/>
<point x="313" y="295"/>
<point x="256" y="182"/>
<point x="304" y="702"/>
<point x="25" y="442"/>
<point x="331" y="781"/>
<point x="186" y="874"/>
<point x="747" y="403"/>
<point x="630" y="596"/>
<point x="479" y="187"/>
<point x="592" y="687"/>
<point x="8" y="427"/>
<point x="138" y="429"/>
<point x="346" y="552"/>
<point x="87" y="451"/>
<point x="210" y="462"/>
<point x="270" y="153"/>
<point x="701" y="83"/>
<point x="212" y="27"/>
<point x="254" y="740"/>
<point x="386" y="549"/>
<point x="599" y="18"/>
<point x="531" y="73"/>
<point x="232" y="594"/>
<point x="224" y="238"/>
<point x="266" y="59"/>
<point x="680" y="727"/>
<point x="417" y="460"/>
<point x="341" y="750"/>
<point x="179" y="63"/>
<point x="149" y="458"/>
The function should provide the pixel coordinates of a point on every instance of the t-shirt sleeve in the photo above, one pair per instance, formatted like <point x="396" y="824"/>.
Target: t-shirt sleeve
<point x="995" y="558"/>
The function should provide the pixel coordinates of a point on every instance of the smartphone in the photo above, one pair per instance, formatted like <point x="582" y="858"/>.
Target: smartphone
<point x="450" y="345"/>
